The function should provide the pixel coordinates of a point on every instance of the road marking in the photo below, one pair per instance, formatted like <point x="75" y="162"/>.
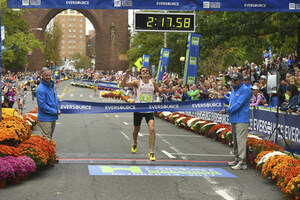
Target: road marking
<point x="195" y="154"/>
<point x="177" y="151"/>
<point x="58" y="123"/>
<point x="224" y="194"/>
<point x="91" y="96"/>
<point x="168" y="154"/>
<point x="106" y="115"/>
<point x="117" y="115"/>
<point x="125" y="123"/>
<point x="170" y="135"/>
<point x="211" y="181"/>
<point x="81" y="95"/>
<point x="141" y="135"/>
<point x="165" y="141"/>
<point x="71" y="95"/>
<point x="125" y="135"/>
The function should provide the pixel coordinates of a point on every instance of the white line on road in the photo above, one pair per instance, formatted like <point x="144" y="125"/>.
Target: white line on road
<point x="170" y="135"/>
<point x="58" y="123"/>
<point x="195" y="154"/>
<point x="81" y="95"/>
<point x="168" y="154"/>
<point x="71" y="95"/>
<point x="165" y="141"/>
<point x="141" y="135"/>
<point x="117" y="115"/>
<point x="224" y="194"/>
<point x="91" y="96"/>
<point x="106" y="115"/>
<point x="125" y="135"/>
<point x="125" y="123"/>
<point x="210" y="180"/>
<point x="177" y="151"/>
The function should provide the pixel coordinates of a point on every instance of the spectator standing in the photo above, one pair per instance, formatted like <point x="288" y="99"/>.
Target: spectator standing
<point x="47" y="101"/>
<point x="239" y="117"/>
<point x="256" y="97"/>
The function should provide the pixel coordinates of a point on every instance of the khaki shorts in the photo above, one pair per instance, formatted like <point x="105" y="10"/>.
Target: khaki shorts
<point x="47" y="129"/>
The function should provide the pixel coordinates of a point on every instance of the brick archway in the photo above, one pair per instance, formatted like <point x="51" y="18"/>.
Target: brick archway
<point x="109" y="55"/>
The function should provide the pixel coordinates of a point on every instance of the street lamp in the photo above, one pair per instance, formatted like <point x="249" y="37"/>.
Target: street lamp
<point x="182" y="59"/>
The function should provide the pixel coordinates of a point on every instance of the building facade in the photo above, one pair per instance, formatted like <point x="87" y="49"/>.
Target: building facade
<point x="73" y="26"/>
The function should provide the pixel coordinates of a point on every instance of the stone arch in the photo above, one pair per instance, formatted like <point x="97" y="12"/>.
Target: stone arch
<point x="110" y="55"/>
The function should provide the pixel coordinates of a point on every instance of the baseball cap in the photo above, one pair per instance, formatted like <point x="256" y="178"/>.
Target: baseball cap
<point x="263" y="76"/>
<point x="237" y="76"/>
<point x="202" y="76"/>
<point x="254" y="87"/>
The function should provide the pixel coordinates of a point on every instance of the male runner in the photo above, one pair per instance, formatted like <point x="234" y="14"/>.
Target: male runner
<point x="145" y="90"/>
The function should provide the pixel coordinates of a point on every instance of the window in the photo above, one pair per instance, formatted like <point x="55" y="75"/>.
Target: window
<point x="81" y="19"/>
<point x="62" y="41"/>
<point x="63" y="47"/>
<point x="72" y="11"/>
<point x="81" y="41"/>
<point x="70" y="25"/>
<point x="80" y="36"/>
<point x="69" y="46"/>
<point x="74" y="19"/>
<point x="63" y="19"/>
<point x="70" y="36"/>
<point x="70" y="19"/>
<point x="70" y="30"/>
<point x="70" y="41"/>
<point x="74" y="30"/>
<point x="80" y="47"/>
<point x="63" y="52"/>
<point x="74" y="41"/>
<point x="74" y="35"/>
<point x="74" y="25"/>
<point x="62" y="25"/>
<point x="80" y="30"/>
<point x="80" y="25"/>
<point x="63" y="30"/>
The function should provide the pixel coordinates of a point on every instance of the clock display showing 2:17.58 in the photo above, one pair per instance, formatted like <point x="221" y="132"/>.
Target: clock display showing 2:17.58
<point x="165" y="22"/>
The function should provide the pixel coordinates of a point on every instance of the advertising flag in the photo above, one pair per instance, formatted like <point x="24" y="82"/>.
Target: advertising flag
<point x="192" y="57"/>
<point x="163" y="63"/>
<point x="146" y="61"/>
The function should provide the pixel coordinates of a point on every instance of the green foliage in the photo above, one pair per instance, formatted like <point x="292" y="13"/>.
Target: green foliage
<point x="228" y="38"/>
<point x="81" y="61"/>
<point x="53" y="37"/>
<point x="16" y="33"/>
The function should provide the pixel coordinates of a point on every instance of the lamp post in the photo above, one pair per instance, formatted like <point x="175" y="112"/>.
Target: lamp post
<point x="182" y="59"/>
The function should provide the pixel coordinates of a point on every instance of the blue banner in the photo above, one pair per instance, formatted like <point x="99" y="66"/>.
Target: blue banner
<point x="163" y="63"/>
<point x="263" y="123"/>
<point x="146" y="61"/>
<point x="191" y="58"/>
<point x="203" y="5"/>
<point x="82" y="107"/>
<point x="117" y="170"/>
<point x="101" y="84"/>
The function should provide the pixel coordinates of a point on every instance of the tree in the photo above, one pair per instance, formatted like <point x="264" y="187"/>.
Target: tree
<point x="81" y="61"/>
<point x="16" y="33"/>
<point x="53" y="35"/>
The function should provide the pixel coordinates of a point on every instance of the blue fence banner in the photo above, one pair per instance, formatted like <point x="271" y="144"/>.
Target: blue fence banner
<point x="83" y="107"/>
<point x="263" y="123"/>
<point x="146" y="61"/>
<point x="203" y="5"/>
<point x="163" y="63"/>
<point x="124" y="170"/>
<point x="191" y="58"/>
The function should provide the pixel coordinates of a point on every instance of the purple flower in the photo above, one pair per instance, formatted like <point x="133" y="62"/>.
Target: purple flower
<point x="6" y="170"/>
<point x="17" y="165"/>
<point x="29" y="164"/>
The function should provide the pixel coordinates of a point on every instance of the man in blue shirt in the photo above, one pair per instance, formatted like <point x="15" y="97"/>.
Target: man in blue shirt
<point x="239" y="117"/>
<point x="47" y="101"/>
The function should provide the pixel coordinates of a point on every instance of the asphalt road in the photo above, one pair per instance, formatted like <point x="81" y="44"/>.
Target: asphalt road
<point x="105" y="139"/>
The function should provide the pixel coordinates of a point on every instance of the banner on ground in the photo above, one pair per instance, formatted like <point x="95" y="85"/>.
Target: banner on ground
<point x="203" y="5"/>
<point x="82" y="107"/>
<point x="163" y="63"/>
<point x="191" y="58"/>
<point x="263" y="123"/>
<point x="146" y="61"/>
<point x="103" y="84"/>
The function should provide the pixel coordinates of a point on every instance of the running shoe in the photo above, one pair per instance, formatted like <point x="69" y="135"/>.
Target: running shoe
<point x="134" y="148"/>
<point x="151" y="156"/>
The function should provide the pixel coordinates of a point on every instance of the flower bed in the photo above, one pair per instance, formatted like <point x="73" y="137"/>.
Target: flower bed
<point x="264" y="155"/>
<point x="20" y="152"/>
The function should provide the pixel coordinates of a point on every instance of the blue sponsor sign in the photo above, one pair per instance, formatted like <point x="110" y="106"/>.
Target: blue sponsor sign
<point x="83" y="107"/>
<point x="163" y="63"/>
<point x="146" y="61"/>
<point x="192" y="57"/>
<point x="203" y="5"/>
<point x="117" y="170"/>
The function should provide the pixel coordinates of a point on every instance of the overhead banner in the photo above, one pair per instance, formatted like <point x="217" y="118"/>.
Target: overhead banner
<point x="82" y="107"/>
<point x="146" y="61"/>
<point x="163" y="63"/>
<point x="191" y="58"/>
<point x="204" y="5"/>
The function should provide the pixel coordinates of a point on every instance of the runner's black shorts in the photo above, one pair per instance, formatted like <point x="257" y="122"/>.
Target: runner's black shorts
<point x="138" y="117"/>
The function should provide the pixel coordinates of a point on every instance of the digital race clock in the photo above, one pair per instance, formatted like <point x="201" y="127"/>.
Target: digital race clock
<point x="164" y="22"/>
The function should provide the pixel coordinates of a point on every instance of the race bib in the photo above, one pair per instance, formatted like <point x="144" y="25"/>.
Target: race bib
<point x="10" y="98"/>
<point x="145" y="98"/>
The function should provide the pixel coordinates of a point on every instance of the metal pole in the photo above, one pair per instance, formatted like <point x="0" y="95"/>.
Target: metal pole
<point x="298" y="45"/>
